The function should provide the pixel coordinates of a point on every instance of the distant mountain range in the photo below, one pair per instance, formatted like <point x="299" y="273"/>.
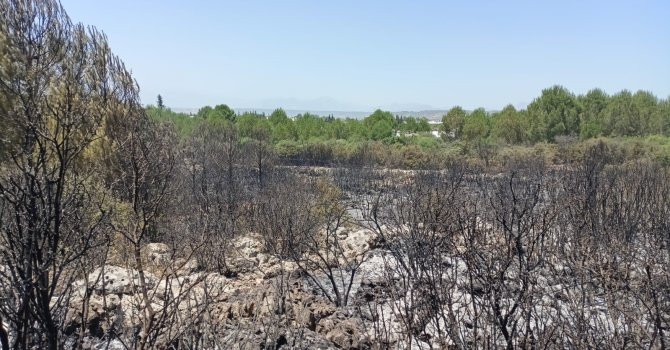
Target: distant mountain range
<point x="432" y="114"/>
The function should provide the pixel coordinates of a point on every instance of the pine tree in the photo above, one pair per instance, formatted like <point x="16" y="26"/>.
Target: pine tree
<point x="159" y="102"/>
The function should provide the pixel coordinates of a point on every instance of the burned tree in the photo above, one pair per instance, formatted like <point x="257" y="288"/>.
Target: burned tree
<point x="60" y="83"/>
<point x="214" y="178"/>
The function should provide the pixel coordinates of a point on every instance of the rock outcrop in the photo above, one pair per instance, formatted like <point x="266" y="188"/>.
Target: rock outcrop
<point x="268" y="303"/>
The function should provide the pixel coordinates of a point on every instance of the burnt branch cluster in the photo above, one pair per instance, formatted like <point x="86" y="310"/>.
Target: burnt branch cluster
<point x="532" y="257"/>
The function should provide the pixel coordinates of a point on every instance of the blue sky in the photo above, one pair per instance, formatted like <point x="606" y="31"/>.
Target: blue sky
<point x="359" y="55"/>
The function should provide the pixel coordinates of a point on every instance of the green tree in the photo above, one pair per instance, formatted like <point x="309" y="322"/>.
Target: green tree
<point x="379" y="116"/>
<point x="356" y="129"/>
<point x="664" y="113"/>
<point x="380" y="124"/>
<point x="182" y="122"/>
<point x="337" y="130"/>
<point x="248" y="122"/>
<point x="452" y="122"/>
<point x="414" y="125"/>
<point x="204" y="112"/>
<point x="60" y="88"/>
<point x="591" y="118"/>
<point x="408" y="124"/>
<point x="159" y="102"/>
<point x="381" y="130"/>
<point x="645" y="106"/>
<point x="477" y="125"/>
<point x="278" y="116"/>
<point x="556" y="112"/>
<point x="222" y="112"/>
<point x="283" y="128"/>
<point x="633" y="114"/>
<point x="309" y="126"/>
<point x="258" y="132"/>
<point x="619" y="116"/>
<point x="510" y="125"/>
<point x="422" y="125"/>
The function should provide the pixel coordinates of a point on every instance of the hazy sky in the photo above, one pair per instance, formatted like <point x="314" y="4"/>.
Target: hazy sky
<point x="358" y="55"/>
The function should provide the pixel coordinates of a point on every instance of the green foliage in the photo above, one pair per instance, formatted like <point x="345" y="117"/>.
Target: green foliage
<point x="593" y="104"/>
<point x="423" y="125"/>
<point x="285" y="131"/>
<point x="476" y="126"/>
<point x="408" y="124"/>
<point x="618" y="116"/>
<point x="647" y="112"/>
<point x="664" y="116"/>
<point x="287" y="149"/>
<point x="183" y="123"/>
<point x="590" y="129"/>
<point x="380" y="125"/>
<point x="427" y="142"/>
<point x="337" y="130"/>
<point x="309" y="126"/>
<point x="510" y="126"/>
<point x="204" y="112"/>
<point x="381" y="130"/>
<point x="278" y="116"/>
<point x="414" y="157"/>
<point x="544" y="128"/>
<point x="452" y="122"/>
<point x="254" y="126"/>
<point x="555" y="112"/>
<point x="219" y="125"/>
<point x="222" y="112"/>
<point x="356" y="130"/>
<point x="379" y="116"/>
<point x="159" y="102"/>
<point x="413" y="125"/>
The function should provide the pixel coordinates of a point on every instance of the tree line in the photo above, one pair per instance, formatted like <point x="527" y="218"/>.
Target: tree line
<point x="556" y="118"/>
<point x="556" y="113"/>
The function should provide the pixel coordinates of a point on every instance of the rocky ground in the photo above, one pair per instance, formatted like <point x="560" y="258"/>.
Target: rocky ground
<point x="267" y="303"/>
